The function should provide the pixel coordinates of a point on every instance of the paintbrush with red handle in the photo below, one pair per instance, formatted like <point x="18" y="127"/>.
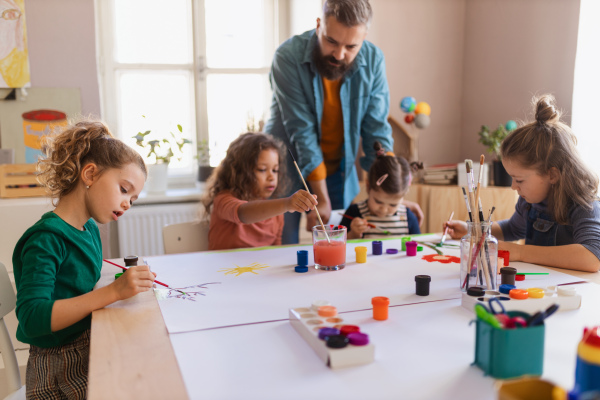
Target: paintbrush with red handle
<point x="155" y="281"/>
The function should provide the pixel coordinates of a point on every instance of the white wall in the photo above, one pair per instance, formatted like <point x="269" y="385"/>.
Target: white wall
<point x="475" y="62"/>
<point x="62" y="47"/>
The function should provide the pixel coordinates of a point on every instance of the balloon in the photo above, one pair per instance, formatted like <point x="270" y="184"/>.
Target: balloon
<point x="423" y="108"/>
<point x="422" y="121"/>
<point x="409" y="118"/>
<point x="511" y="125"/>
<point x="407" y="104"/>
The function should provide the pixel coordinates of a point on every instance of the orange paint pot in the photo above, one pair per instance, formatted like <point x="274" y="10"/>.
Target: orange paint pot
<point x="327" y="311"/>
<point x="519" y="294"/>
<point x="380" y="308"/>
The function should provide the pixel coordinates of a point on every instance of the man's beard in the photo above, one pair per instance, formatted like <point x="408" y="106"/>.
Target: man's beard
<point x="327" y="70"/>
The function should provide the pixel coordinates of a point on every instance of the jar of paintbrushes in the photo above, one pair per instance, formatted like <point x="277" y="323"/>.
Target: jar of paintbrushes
<point x="479" y="257"/>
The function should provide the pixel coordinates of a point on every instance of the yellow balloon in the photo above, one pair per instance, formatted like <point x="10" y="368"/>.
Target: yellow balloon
<point x="422" y="108"/>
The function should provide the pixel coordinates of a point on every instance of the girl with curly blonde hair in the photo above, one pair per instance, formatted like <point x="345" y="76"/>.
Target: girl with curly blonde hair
<point x="90" y="176"/>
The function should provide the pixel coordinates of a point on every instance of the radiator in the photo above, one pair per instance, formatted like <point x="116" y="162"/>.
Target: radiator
<point x="140" y="228"/>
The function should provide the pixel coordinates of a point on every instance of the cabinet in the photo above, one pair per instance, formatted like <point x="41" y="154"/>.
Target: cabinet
<point x="438" y="202"/>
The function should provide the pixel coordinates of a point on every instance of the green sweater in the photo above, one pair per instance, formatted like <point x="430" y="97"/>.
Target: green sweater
<point x="54" y="260"/>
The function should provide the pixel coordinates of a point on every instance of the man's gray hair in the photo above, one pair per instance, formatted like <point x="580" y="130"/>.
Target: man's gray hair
<point x="348" y="12"/>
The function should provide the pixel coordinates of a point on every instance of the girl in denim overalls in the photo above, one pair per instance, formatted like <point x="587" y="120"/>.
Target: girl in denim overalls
<point x="558" y="212"/>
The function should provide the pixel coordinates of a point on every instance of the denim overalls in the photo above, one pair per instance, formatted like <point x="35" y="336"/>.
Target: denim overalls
<point x="541" y="228"/>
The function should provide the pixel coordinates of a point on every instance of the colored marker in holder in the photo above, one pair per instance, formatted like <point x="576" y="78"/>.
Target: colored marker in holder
<point x="411" y="248"/>
<point x="377" y="247"/>
<point x="361" y="254"/>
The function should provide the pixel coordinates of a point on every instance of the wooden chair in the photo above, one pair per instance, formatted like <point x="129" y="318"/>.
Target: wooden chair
<point x="186" y="237"/>
<point x="8" y="301"/>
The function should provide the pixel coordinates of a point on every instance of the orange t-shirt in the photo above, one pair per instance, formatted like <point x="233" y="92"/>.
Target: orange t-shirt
<point x="226" y="231"/>
<point x="332" y="131"/>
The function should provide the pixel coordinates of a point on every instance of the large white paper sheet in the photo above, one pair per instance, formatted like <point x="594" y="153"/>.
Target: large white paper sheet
<point x="422" y="351"/>
<point x="245" y="287"/>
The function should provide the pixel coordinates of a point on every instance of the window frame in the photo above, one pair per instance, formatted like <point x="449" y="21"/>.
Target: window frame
<point x="109" y="68"/>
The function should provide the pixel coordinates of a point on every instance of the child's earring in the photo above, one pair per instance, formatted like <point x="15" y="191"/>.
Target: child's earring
<point x="87" y="186"/>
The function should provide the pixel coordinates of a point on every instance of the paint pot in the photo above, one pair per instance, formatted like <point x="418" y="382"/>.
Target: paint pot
<point x="411" y="249"/>
<point x="302" y="257"/>
<point x="131" y="261"/>
<point x="361" y="254"/>
<point x="377" y="247"/>
<point x="422" y="283"/>
<point x="404" y="240"/>
<point x="587" y="369"/>
<point x="508" y="275"/>
<point x="380" y="308"/>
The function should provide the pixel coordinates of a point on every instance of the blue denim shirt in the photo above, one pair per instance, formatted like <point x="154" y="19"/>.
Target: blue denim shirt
<point x="533" y="223"/>
<point x="297" y="109"/>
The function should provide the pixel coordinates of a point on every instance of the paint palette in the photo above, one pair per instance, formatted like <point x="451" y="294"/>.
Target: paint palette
<point x="567" y="299"/>
<point x="308" y="322"/>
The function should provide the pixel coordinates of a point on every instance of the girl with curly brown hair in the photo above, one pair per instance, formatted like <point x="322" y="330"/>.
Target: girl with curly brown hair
<point x="91" y="176"/>
<point x="238" y="200"/>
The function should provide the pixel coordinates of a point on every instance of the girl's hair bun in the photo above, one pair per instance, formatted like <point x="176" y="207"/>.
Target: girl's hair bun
<point x="545" y="109"/>
<point x="379" y="150"/>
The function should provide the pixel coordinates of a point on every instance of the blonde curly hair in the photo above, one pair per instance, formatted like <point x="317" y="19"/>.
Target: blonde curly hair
<point x="78" y="144"/>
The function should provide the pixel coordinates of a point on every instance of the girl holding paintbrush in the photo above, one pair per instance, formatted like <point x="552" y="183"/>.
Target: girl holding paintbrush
<point x="558" y="212"/>
<point x="383" y="212"/>
<point x="91" y="176"/>
<point x="242" y="213"/>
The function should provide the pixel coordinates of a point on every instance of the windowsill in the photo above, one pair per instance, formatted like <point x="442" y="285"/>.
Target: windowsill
<point x="173" y="195"/>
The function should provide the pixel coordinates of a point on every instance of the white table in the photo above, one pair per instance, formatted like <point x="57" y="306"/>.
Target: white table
<point x="423" y="351"/>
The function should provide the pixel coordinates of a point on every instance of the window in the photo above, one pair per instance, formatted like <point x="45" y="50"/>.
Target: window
<point x="202" y="64"/>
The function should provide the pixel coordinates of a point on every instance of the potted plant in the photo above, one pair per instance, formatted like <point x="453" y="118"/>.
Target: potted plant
<point x="493" y="141"/>
<point x="204" y="168"/>
<point x="160" y="151"/>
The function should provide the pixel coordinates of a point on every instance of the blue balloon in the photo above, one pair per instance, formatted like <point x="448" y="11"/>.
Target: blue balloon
<point x="408" y="104"/>
<point x="511" y="125"/>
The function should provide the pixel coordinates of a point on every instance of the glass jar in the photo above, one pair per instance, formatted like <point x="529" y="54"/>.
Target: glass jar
<point x="478" y="257"/>
<point x="329" y="247"/>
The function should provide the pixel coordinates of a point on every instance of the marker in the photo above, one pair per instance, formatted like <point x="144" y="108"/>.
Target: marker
<point x="533" y="273"/>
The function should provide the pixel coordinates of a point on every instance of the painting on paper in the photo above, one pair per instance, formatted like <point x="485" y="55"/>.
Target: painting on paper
<point x="14" y="58"/>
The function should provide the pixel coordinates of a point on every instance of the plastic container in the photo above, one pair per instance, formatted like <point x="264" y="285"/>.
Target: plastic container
<point x="478" y="257"/>
<point x="509" y="353"/>
<point x="587" y="369"/>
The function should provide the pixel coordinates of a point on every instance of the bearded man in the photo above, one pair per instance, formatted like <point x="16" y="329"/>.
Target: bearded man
<point x="330" y="91"/>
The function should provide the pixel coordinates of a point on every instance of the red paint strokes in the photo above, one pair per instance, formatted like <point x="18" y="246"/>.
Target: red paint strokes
<point x="441" y="259"/>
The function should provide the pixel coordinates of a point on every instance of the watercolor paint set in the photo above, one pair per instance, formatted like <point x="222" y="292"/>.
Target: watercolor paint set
<point x="337" y="343"/>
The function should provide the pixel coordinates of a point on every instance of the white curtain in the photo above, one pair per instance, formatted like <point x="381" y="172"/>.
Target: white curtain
<point x="586" y="88"/>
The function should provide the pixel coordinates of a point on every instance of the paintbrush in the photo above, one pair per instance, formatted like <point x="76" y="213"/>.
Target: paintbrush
<point x="479" y="181"/>
<point x="155" y="281"/>
<point x="467" y="203"/>
<point x="370" y="225"/>
<point x="306" y="187"/>
<point x="446" y="230"/>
